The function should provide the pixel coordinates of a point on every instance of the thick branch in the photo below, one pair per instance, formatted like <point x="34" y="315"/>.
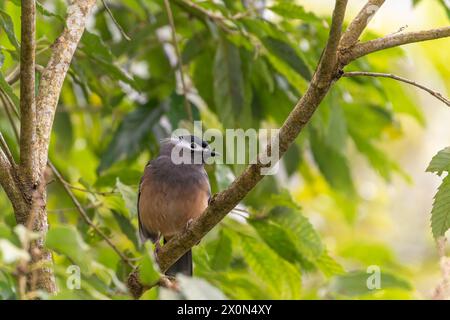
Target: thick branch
<point x="225" y="201"/>
<point x="329" y="57"/>
<point x="393" y="76"/>
<point x="395" y="40"/>
<point x="54" y="73"/>
<point x="357" y="26"/>
<point x="27" y="90"/>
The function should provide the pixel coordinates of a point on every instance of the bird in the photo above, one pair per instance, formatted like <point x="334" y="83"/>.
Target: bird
<point x="173" y="194"/>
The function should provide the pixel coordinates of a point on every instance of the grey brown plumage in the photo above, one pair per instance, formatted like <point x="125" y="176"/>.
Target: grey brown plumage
<point x="170" y="196"/>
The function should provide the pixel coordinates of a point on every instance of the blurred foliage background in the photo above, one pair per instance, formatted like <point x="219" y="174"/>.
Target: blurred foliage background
<point x="351" y="193"/>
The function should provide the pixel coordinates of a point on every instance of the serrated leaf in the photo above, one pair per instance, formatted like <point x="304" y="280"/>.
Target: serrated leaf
<point x="440" y="214"/>
<point x="304" y="236"/>
<point x="282" y="278"/>
<point x="328" y="266"/>
<point x="223" y="252"/>
<point x="130" y="138"/>
<point x="277" y="238"/>
<point x="440" y="162"/>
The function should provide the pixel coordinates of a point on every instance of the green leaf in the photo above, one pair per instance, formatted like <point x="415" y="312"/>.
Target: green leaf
<point x="446" y="5"/>
<point x="6" y="24"/>
<point x="131" y="136"/>
<point x="42" y="10"/>
<point x="440" y="214"/>
<point x="293" y="11"/>
<point x="333" y="165"/>
<point x="101" y="56"/>
<point x="223" y="252"/>
<point x="2" y="58"/>
<point x="8" y="90"/>
<point x="198" y="289"/>
<point x="229" y="89"/>
<point x="355" y="283"/>
<point x="150" y="294"/>
<point x="300" y="230"/>
<point x="148" y="270"/>
<point x="440" y="162"/>
<point x="277" y="238"/>
<point x="66" y="240"/>
<point x="328" y="265"/>
<point x="282" y="278"/>
<point x="63" y="130"/>
<point x="129" y="196"/>
<point x="286" y="53"/>
<point x="127" y="228"/>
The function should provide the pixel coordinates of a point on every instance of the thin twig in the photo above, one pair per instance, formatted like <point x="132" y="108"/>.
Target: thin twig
<point x="102" y="193"/>
<point x="187" y="105"/>
<point x="124" y="34"/>
<point x="8" y="113"/>
<point x="217" y="18"/>
<point x="85" y="216"/>
<point x="393" y="76"/>
<point x="6" y="150"/>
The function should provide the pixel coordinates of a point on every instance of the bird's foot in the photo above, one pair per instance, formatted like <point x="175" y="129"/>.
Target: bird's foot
<point x="156" y="251"/>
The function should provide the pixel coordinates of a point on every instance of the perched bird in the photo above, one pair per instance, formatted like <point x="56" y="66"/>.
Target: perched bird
<point x="172" y="194"/>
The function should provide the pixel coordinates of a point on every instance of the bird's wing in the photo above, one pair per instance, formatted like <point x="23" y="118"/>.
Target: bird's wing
<point x="145" y="234"/>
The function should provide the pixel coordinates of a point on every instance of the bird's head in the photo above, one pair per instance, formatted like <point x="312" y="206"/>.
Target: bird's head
<point x="188" y="146"/>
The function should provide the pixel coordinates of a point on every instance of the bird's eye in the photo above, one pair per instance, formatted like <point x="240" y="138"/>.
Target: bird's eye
<point x="192" y="145"/>
<point x="204" y="144"/>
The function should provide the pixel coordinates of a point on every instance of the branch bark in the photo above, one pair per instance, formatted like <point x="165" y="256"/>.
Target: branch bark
<point x="359" y="24"/>
<point x="393" y="76"/>
<point x="27" y="91"/>
<point x="55" y="72"/>
<point x="395" y="40"/>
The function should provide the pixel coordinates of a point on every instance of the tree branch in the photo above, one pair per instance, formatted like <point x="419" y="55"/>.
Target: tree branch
<point x="329" y="57"/>
<point x="393" y="76"/>
<point x="55" y="72"/>
<point x="27" y="91"/>
<point x="395" y="40"/>
<point x="359" y="24"/>
<point x="225" y="201"/>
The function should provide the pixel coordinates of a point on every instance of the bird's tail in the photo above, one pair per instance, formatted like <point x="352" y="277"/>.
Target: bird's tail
<point x="183" y="265"/>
